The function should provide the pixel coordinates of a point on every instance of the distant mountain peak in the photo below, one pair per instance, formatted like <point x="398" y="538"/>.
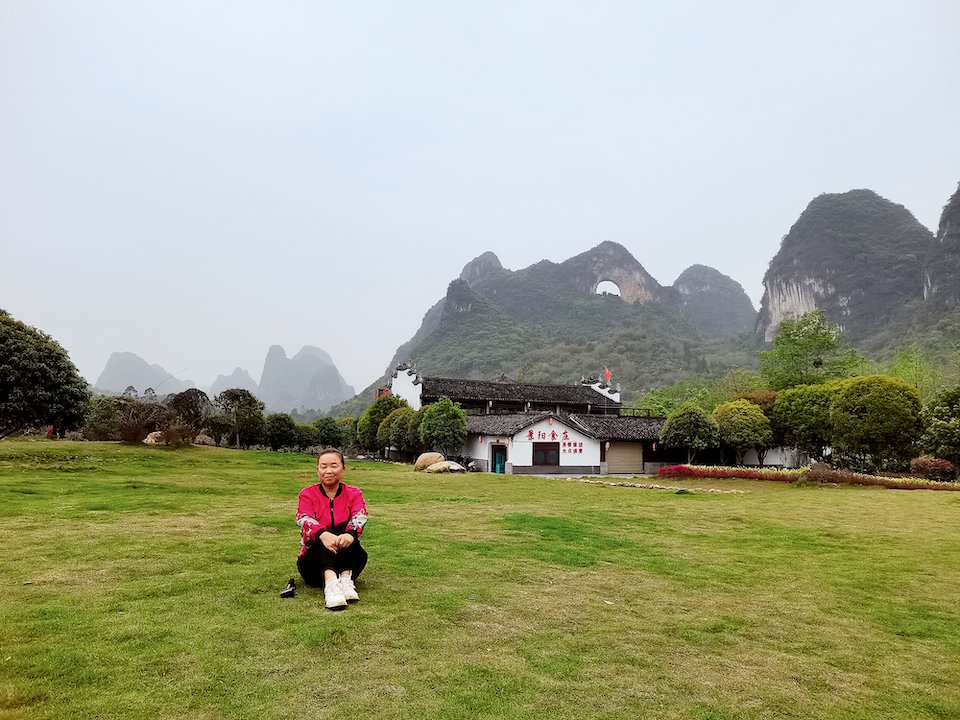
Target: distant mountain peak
<point x="854" y="255"/>
<point x="124" y="369"/>
<point x="311" y="351"/>
<point x="942" y="275"/>
<point x="483" y="266"/>
<point x="612" y="262"/>
<point x="239" y="378"/>
<point x="308" y="380"/>
<point x="714" y="303"/>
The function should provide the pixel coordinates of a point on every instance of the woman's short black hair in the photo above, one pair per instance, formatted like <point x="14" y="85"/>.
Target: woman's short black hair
<point x="332" y="451"/>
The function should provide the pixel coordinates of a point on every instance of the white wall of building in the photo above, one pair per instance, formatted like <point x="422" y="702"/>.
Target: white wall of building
<point x="575" y="447"/>
<point x="476" y="448"/>
<point x="403" y="386"/>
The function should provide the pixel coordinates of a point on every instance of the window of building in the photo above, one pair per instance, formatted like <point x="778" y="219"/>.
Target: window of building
<point x="546" y="453"/>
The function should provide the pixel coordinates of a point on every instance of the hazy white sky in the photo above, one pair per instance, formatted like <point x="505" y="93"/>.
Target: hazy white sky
<point x="195" y="181"/>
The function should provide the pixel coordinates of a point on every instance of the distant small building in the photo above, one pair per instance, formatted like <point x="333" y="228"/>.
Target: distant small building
<point x="518" y="428"/>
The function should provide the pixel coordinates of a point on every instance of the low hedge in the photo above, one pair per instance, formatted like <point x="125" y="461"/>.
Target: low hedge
<point x="821" y="472"/>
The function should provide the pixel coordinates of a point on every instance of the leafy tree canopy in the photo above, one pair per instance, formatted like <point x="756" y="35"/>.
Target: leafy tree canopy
<point x="742" y="426"/>
<point x="246" y="413"/>
<point x="308" y="436"/>
<point x="912" y="365"/>
<point x="191" y="407"/>
<point x="385" y="429"/>
<point x="705" y="392"/>
<point x="691" y="427"/>
<point x="413" y="440"/>
<point x="39" y="385"/>
<point x="444" y="426"/>
<point x="802" y="415"/>
<point x="103" y="419"/>
<point x="348" y="430"/>
<point x="808" y="351"/>
<point x="941" y="420"/>
<point x="331" y="432"/>
<point x="399" y="428"/>
<point x="876" y="423"/>
<point x="369" y="422"/>
<point x="280" y="431"/>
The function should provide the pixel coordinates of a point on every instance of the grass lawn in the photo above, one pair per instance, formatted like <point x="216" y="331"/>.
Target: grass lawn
<point x="139" y="582"/>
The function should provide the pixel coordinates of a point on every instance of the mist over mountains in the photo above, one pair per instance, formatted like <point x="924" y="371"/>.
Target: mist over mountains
<point x="309" y="380"/>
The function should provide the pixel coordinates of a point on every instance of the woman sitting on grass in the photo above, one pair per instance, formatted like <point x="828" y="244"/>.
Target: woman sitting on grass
<point x="331" y="517"/>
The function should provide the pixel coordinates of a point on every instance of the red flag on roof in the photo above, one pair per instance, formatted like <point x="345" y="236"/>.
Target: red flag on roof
<point x="607" y="374"/>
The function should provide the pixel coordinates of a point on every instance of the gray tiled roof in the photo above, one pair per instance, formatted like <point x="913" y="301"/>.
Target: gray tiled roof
<point x="603" y="427"/>
<point x="502" y="424"/>
<point x="627" y="427"/>
<point x="477" y="390"/>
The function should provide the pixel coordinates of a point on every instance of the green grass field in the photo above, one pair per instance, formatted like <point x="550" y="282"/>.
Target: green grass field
<point x="143" y="583"/>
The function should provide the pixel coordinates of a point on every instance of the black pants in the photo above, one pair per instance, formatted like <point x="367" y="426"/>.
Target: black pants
<point x="317" y="559"/>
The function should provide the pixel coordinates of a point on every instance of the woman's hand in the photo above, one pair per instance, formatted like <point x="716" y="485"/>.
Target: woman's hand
<point x="345" y="540"/>
<point x="330" y="541"/>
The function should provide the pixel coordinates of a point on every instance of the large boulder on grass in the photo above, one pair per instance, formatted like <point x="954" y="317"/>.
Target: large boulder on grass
<point x="427" y="459"/>
<point x="438" y="467"/>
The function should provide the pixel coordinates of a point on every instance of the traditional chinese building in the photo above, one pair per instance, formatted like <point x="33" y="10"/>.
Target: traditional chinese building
<point x="518" y="428"/>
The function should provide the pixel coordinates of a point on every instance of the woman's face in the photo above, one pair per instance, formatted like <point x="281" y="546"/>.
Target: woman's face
<point x="329" y="470"/>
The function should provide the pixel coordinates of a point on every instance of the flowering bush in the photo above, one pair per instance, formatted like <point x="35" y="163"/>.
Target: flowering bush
<point x="706" y="471"/>
<point x="819" y="472"/>
<point x="933" y="469"/>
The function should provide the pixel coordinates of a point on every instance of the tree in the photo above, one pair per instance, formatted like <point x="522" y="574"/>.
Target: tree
<point x="102" y="421"/>
<point x="186" y="414"/>
<point x="280" y="431"/>
<point x="246" y="413"/>
<point x="876" y="423"/>
<point x="912" y="366"/>
<point x="369" y="422"/>
<point x="737" y="382"/>
<point x="191" y="408"/>
<point x="742" y="425"/>
<point x="765" y="400"/>
<point x="39" y="385"/>
<point x="689" y="426"/>
<point x="348" y="431"/>
<point x="331" y="432"/>
<point x="413" y="441"/>
<point x="218" y="424"/>
<point x="665" y="400"/>
<point x="385" y="429"/>
<point x="399" y="437"/>
<point x="941" y="420"/>
<point x="808" y="351"/>
<point x="308" y="436"/>
<point x="702" y="391"/>
<point x="444" y="425"/>
<point x="802" y="415"/>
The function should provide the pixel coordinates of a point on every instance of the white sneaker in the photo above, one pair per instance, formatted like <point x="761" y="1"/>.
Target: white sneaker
<point x="349" y="589"/>
<point x="333" y="595"/>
